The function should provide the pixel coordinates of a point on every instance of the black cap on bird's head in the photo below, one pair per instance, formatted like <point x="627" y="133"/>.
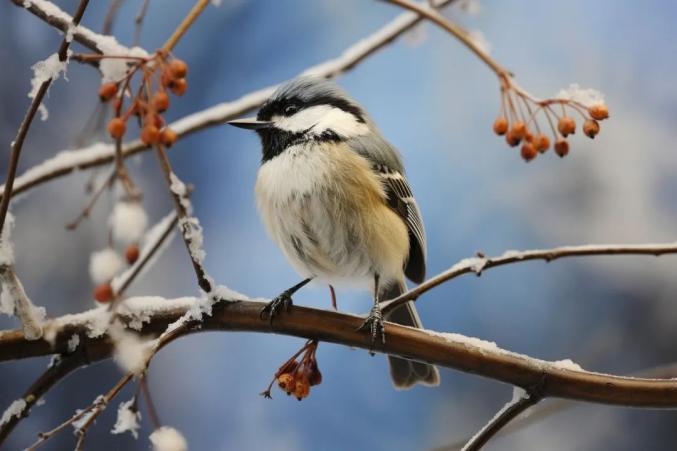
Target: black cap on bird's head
<point x="303" y="109"/>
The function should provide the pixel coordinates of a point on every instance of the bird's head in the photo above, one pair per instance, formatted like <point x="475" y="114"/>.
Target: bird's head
<point x="302" y="110"/>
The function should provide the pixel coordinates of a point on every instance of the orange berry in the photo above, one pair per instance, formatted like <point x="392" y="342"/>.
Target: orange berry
<point x="599" y="112"/>
<point x="542" y="143"/>
<point x="168" y="137"/>
<point x="528" y="152"/>
<point x="519" y="129"/>
<point x="107" y="91"/>
<point x="566" y="126"/>
<point x="149" y="134"/>
<point x="302" y="389"/>
<point x="132" y="253"/>
<point x="562" y="147"/>
<point x="161" y="101"/>
<point x="117" y="128"/>
<point x="287" y="382"/>
<point x="591" y="128"/>
<point x="500" y="125"/>
<point x="177" y="68"/>
<point x="178" y="87"/>
<point x="511" y="139"/>
<point x="103" y="293"/>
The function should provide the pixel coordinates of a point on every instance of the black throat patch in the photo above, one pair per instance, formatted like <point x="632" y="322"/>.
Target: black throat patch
<point x="275" y="141"/>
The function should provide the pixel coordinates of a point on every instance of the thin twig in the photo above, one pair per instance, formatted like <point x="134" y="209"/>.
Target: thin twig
<point x="92" y="201"/>
<point x="199" y="6"/>
<point x="501" y="419"/>
<point x="21" y="134"/>
<point x="138" y="21"/>
<point x="111" y="15"/>
<point x="477" y="265"/>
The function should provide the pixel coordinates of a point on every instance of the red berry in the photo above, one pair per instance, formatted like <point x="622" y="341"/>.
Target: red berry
<point x="117" y="128"/>
<point x="599" y="112"/>
<point x="566" y="126"/>
<point x="132" y="253"/>
<point x="177" y="68"/>
<point x="528" y="152"/>
<point x="150" y="134"/>
<point x="161" y="101"/>
<point x="542" y="143"/>
<point x="519" y="129"/>
<point x="500" y="125"/>
<point x="168" y="137"/>
<point x="104" y="293"/>
<point x="591" y="128"/>
<point x="107" y="91"/>
<point x="178" y="87"/>
<point x="561" y="147"/>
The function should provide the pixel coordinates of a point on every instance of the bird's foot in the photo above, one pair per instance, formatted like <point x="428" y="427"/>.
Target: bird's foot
<point x="374" y="325"/>
<point x="274" y="307"/>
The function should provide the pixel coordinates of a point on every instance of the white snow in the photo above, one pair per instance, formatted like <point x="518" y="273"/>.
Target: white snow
<point x="6" y="250"/>
<point x="128" y="419"/>
<point x="49" y="68"/>
<point x="104" y="265"/>
<point x="587" y="97"/>
<point x="128" y="222"/>
<point x="15" y="301"/>
<point x="73" y="342"/>
<point x="115" y="69"/>
<point x="14" y="410"/>
<point x="167" y="438"/>
<point x="480" y="40"/>
<point x="130" y="351"/>
<point x="567" y="364"/>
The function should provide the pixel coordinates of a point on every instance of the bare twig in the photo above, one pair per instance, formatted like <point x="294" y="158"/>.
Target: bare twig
<point x="138" y="21"/>
<point x="512" y="409"/>
<point x="476" y="265"/>
<point x="99" y="154"/>
<point x="199" y="6"/>
<point x="21" y="134"/>
<point x="111" y="15"/>
<point x="108" y="183"/>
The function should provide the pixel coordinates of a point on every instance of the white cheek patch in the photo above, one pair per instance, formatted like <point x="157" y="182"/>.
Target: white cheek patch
<point x="320" y="118"/>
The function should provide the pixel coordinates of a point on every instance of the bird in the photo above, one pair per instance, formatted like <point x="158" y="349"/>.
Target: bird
<point x="332" y="193"/>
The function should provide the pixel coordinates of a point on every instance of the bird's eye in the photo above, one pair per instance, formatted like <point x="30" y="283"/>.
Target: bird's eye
<point x="290" y="109"/>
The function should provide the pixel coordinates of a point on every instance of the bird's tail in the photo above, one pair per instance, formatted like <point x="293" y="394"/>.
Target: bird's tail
<point x="407" y="373"/>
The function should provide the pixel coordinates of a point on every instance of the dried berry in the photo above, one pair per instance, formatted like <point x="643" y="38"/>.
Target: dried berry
<point x="107" y="91"/>
<point x="132" y="253"/>
<point x="287" y="382"/>
<point x="591" y="128"/>
<point x="528" y="151"/>
<point x="566" y="126"/>
<point x="177" y="68"/>
<point x="161" y="101"/>
<point x="302" y="389"/>
<point x="511" y="139"/>
<point x="103" y="293"/>
<point x="519" y="129"/>
<point x="117" y="128"/>
<point x="168" y="137"/>
<point x="178" y="87"/>
<point x="599" y="112"/>
<point x="314" y="374"/>
<point x="561" y="147"/>
<point x="500" y="125"/>
<point x="150" y="134"/>
<point x="542" y="143"/>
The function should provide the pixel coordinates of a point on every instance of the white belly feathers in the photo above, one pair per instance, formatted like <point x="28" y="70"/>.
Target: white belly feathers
<point x="331" y="223"/>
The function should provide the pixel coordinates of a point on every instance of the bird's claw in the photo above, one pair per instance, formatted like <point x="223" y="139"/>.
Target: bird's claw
<point x="274" y="307"/>
<point x="374" y="325"/>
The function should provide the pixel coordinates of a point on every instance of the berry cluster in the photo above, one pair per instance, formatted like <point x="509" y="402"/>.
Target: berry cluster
<point x="296" y="377"/>
<point x="160" y="74"/>
<point x="518" y="121"/>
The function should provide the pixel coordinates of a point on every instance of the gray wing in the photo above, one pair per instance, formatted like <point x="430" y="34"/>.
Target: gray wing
<point x="386" y="162"/>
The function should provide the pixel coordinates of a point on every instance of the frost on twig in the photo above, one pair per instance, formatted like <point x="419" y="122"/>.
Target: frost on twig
<point x="16" y="409"/>
<point x="128" y="419"/>
<point x="13" y="298"/>
<point x="48" y="69"/>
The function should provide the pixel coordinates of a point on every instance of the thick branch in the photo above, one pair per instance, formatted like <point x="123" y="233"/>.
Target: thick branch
<point x="476" y="265"/>
<point x="451" y="351"/>
<point x="99" y="154"/>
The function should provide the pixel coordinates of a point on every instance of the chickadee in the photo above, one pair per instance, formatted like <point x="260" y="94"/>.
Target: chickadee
<point x="332" y="193"/>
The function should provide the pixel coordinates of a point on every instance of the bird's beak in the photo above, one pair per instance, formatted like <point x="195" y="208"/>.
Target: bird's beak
<point x="250" y="123"/>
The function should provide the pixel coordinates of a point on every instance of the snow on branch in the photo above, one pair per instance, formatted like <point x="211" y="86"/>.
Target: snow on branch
<point x="557" y="379"/>
<point x="67" y="161"/>
<point x="476" y="265"/>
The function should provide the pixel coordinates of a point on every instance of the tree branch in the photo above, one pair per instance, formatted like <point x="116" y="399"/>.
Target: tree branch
<point x="99" y="154"/>
<point x="448" y="350"/>
<point x="477" y="265"/>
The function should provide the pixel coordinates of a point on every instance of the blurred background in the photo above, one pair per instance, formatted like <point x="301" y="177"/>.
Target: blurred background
<point x="436" y="102"/>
